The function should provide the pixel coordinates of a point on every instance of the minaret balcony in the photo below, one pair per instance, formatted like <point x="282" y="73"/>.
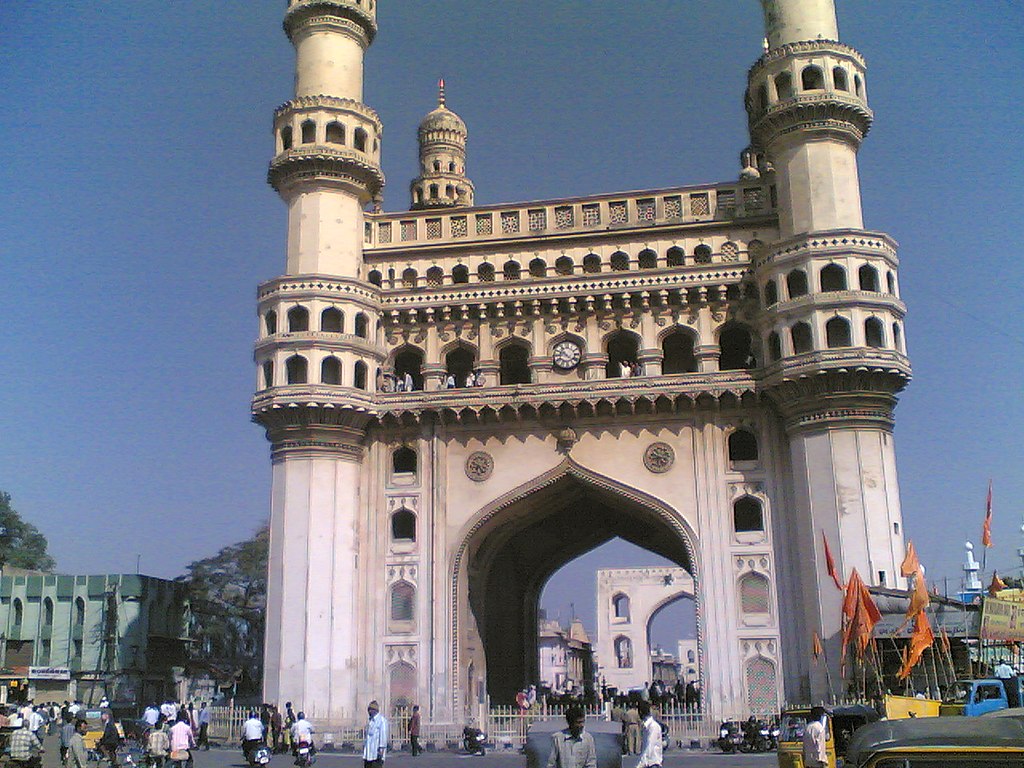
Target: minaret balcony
<point x="838" y="115"/>
<point x="827" y="300"/>
<point x="326" y="166"/>
<point x="329" y="13"/>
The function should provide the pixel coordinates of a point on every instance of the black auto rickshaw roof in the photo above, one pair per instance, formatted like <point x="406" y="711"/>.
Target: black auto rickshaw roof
<point x="934" y="731"/>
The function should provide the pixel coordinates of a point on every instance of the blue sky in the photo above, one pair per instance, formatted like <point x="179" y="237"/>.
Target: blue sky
<point x="136" y="225"/>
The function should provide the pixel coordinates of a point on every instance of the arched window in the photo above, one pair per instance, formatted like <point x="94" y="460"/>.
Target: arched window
<point x="801" y="336"/>
<point x="563" y="265"/>
<point x="514" y="364"/>
<point x="375" y="277"/>
<point x="409" y="367"/>
<point x="619" y="261"/>
<point x="755" y="594"/>
<point x="332" y="321"/>
<point x="839" y="78"/>
<point x="742" y="446"/>
<point x="812" y="78"/>
<point x="403" y="525"/>
<point x="538" y="268"/>
<point x="702" y="254"/>
<point x="858" y="86"/>
<point x="437" y="166"/>
<point x="298" y="319"/>
<point x="867" y="276"/>
<point x="747" y="515"/>
<point x="762" y="686"/>
<point x="47" y="612"/>
<point x="330" y="371"/>
<point x="308" y="132"/>
<point x="736" y="348"/>
<point x="362" y="326"/>
<point x="890" y="282"/>
<point x="409" y="278"/>
<point x="270" y="322"/>
<point x="511" y="270"/>
<point x="449" y="191"/>
<point x="837" y="333"/>
<point x="485" y="273"/>
<point x="419" y="194"/>
<point x="623" y="653"/>
<point x="403" y="601"/>
<point x="297" y="368"/>
<point x="832" y="278"/>
<point x="451" y="167"/>
<point x="335" y="133"/>
<point x="591" y="263"/>
<point x="784" y="85"/>
<point x="286" y="137"/>
<point x="771" y="293"/>
<point x="623" y="347"/>
<point x="675" y="257"/>
<point x="647" y="259"/>
<point x="360" y="139"/>
<point x="79" y="612"/>
<point x="434" y="191"/>
<point x="874" y="335"/>
<point x="268" y="374"/>
<point x="359" y="379"/>
<point x="897" y="337"/>
<point x="459" y="363"/>
<point x="774" y="346"/>
<point x="403" y="460"/>
<point x="691" y="657"/>
<point x="620" y="606"/>
<point x="796" y="283"/>
<point x="762" y="97"/>
<point x="677" y="350"/>
<point x="460" y="273"/>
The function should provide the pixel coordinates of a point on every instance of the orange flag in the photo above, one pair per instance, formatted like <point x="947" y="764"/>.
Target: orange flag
<point x="861" y="614"/>
<point x="996" y="585"/>
<point x="919" y="598"/>
<point x="945" y="639"/>
<point x="986" y="529"/>
<point x="910" y="562"/>
<point x="920" y="639"/>
<point x="830" y="564"/>
<point x="816" y="649"/>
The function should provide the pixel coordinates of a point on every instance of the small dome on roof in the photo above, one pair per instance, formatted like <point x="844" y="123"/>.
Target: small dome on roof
<point x="442" y="118"/>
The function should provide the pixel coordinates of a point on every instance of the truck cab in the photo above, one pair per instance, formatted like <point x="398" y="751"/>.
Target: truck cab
<point x="972" y="698"/>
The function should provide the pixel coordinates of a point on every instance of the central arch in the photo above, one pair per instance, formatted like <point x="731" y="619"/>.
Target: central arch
<point x="515" y="543"/>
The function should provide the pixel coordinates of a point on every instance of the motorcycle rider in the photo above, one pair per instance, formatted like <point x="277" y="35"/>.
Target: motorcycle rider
<point x="252" y="735"/>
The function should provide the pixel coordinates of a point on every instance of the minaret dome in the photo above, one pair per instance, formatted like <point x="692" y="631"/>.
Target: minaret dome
<point x="442" y="182"/>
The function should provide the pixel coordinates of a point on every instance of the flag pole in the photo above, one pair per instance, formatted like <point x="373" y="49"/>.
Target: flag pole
<point x="828" y="675"/>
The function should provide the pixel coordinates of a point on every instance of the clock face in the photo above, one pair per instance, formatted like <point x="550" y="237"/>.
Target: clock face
<point x="566" y="355"/>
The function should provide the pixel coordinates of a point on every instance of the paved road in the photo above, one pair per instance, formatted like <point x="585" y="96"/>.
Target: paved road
<point x="675" y="758"/>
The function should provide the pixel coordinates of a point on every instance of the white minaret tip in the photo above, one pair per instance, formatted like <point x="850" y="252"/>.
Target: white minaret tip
<point x="440" y="93"/>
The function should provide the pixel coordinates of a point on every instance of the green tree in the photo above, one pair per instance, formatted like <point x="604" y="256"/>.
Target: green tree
<point x="228" y="599"/>
<point x="21" y="543"/>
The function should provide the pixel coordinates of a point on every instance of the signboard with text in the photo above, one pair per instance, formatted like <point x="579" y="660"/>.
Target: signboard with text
<point x="49" y="673"/>
<point x="1002" y="619"/>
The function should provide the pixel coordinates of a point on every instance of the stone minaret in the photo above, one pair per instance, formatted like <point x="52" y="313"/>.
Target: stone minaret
<point x="832" y="325"/>
<point x="442" y="182"/>
<point x="318" y="355"/>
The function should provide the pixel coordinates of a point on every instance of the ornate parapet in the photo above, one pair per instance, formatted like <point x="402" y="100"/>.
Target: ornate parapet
<point x="357" y="17"/>
<point x="326" y="165"/>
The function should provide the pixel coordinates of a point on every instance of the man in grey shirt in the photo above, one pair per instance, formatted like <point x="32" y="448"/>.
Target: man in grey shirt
<point x="573" y="747"/>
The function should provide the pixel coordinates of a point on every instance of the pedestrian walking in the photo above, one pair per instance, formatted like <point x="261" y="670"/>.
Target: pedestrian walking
<point x="631" y="720"/>
<point x="376" y="746"/>
<point x="67" y="732"/>
<point x="815" y="753"/>
<point x="203" y="742"/>
<point x="78" y="757"/>
<point x="573" y="747"/>
<point x="414" y="731"/>
<point x="276" y="724"/>
<point x="650" y="751"/>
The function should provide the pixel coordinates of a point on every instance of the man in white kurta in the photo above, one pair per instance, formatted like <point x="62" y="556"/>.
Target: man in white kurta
<point x="376" y="746"/>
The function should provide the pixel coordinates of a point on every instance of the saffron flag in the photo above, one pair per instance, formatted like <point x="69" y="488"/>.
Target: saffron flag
<point x="919" y="598"/>
<point x="986" y="529"/>
<point x="816" y="649"/>
<point x="922" y="638"/>
<point x="945" y="640"/>
<point x="910" y="562"/>
<point x="996" y="585"/>
<point x="830" y="564"/>
<point x="861" y="615"/>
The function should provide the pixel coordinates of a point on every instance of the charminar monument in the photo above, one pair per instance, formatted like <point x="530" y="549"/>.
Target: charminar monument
<point x="462" y="398"/>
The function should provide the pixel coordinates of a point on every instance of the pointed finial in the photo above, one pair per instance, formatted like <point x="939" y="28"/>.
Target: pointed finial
<point x="440" y="93"/>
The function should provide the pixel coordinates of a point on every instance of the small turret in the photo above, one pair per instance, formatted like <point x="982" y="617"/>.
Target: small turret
<point x="442" y="182"/>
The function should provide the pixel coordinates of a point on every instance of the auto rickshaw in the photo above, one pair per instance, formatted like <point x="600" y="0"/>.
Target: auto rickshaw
<point x="952" y="741"/>
<point x="839" y="727"/>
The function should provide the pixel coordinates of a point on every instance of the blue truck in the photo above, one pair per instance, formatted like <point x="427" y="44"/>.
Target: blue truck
<point x="972" y="698"/>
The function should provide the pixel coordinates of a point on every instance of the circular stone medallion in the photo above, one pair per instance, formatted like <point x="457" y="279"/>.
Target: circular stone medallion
<point x="659" y="457"/>
<point x="479" y="466"/>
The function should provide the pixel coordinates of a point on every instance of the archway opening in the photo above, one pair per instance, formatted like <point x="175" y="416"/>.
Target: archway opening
<point x="516" y="550"/>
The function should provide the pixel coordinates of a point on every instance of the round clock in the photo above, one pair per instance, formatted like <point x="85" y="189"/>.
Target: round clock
<point x="566" y="355"/>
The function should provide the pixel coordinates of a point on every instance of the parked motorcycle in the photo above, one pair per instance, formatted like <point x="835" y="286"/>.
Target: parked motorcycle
<point x="473" y="740"/>
<point x="730" y="736"/>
